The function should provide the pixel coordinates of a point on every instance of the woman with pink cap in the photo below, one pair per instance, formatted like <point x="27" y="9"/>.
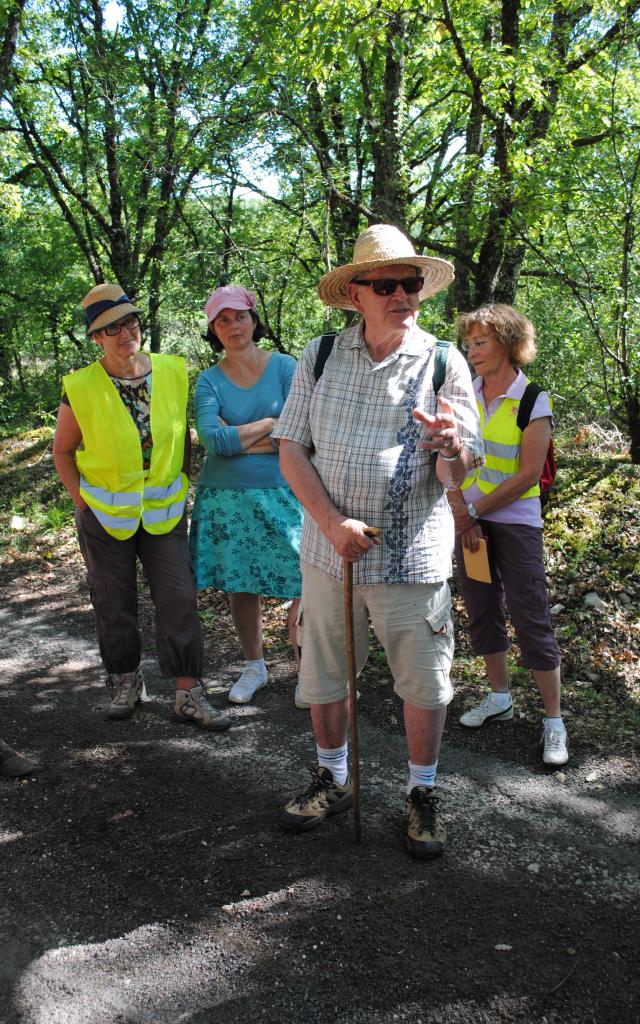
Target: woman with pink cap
<point x="246" y="523"/>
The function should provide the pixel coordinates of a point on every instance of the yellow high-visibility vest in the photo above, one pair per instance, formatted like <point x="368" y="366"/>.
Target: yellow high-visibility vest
<point x="109" y="459"/>
<point x="501" y="435"/>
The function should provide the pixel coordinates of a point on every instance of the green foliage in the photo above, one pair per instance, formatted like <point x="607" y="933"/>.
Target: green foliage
<point x="202" y="143"/>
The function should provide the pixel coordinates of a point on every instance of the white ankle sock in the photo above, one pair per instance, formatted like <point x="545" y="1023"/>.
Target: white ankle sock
<point x="259" y="664"/>
<point x="336" y="761"/>
<point x="421" y="775"/>
<point x="501" y="699"/>
<point x="554" y="723"/>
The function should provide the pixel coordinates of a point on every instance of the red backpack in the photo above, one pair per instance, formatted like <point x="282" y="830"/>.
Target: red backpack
<point x="548" y="475"/>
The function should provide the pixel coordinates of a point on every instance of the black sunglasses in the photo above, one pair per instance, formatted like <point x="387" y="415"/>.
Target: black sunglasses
<point x="388" y="285"/>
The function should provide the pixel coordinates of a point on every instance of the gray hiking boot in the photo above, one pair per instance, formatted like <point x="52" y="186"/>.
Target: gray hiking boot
<point x="193" y="708"/>
<point x="127" y="690"/>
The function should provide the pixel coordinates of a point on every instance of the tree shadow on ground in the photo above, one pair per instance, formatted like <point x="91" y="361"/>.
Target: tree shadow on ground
<point x="148" y="879"/>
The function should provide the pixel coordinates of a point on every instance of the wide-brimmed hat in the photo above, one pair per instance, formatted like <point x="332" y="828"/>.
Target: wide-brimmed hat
<point x="106" y="304"/>
<point x="383" y="245"/>
<point x="229" y="296"/>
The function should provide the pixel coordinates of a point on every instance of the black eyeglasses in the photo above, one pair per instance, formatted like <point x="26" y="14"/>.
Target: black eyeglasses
<point x="132" y="323"/>
<point x="388" y="285"/>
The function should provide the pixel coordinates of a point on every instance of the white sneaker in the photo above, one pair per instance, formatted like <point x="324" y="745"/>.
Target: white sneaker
<point x="487" y="711"/>
<point x="555" y="743"/>
<point x="299" y="701"/>
<point x="251" y="679"/>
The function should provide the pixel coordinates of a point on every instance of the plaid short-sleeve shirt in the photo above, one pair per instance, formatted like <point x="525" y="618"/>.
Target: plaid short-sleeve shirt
<point x="357" y="421"/>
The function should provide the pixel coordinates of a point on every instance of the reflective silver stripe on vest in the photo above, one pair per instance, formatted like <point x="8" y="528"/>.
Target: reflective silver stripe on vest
<point x="115" y="522"/>
<point x="493" y="476"/>
<point x="111" y="497"/>
<point x="153" y="493"/>
<point x="159" y="515"/>
<point x="502" y="451"/>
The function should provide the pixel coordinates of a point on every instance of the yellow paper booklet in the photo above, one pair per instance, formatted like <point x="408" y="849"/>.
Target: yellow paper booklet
<point x="476" y="563"/>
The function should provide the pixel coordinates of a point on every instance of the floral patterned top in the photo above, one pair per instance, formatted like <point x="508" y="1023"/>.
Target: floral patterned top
<point x="137" y="399"/>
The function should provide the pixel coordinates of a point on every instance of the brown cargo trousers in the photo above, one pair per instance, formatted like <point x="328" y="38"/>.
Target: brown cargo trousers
<point x="111" y="572"/>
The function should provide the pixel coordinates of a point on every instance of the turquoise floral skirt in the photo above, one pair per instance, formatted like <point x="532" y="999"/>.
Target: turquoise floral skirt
<point x="247" y="541"/>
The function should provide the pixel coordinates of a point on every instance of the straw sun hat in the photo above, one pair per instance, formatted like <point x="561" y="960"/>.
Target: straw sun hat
<point x="383" y="246"/>
<point x="106" y="304"/>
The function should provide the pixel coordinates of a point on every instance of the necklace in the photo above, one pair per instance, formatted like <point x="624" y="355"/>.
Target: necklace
<point x="134" y="392"/>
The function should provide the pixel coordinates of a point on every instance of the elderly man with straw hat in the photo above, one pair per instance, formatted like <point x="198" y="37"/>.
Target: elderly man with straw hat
<point x="368" y="443"/>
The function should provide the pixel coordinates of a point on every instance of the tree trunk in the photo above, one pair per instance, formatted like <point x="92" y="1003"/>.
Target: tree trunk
<point x="9" y="42"/>
<point x="155" y="336"/>
<point x="225" y="268"/>
<point x="5" y="352"/>
<point x="459" y="296"/>
<point x="633" y="425"/>
<point x="390" y="193"/>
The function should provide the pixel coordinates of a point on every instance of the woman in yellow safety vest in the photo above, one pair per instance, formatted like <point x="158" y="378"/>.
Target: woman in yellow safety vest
<point x="122" y="450"/>
<point x="499" y="504"/>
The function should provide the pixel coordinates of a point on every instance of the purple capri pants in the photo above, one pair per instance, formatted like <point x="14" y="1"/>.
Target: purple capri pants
<point x="517" y="583"/>
<point x="111" y="572"/>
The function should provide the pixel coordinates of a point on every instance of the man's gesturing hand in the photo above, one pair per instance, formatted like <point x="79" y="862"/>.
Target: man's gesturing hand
<point x="441" y="430"/>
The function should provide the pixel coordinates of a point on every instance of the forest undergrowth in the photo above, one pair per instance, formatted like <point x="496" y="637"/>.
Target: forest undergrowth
<point x="592" y="542"/>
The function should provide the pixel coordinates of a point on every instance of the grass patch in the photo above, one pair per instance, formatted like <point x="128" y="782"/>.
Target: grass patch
<point x="36" y="513"/>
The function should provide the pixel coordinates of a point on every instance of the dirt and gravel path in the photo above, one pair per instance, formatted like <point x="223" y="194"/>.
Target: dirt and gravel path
<point x="145" y="879"/>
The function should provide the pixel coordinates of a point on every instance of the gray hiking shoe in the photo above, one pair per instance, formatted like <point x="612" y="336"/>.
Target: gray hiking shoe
<point x="426" y="835"/>
<point x="193" y="708"/>
<point x="14" y="765"/>
<point x="127" y="690"/>
<point x="321" y="798"/>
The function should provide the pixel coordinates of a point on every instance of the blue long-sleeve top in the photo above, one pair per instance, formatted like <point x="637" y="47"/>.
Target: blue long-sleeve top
<point x="216" y="396"/>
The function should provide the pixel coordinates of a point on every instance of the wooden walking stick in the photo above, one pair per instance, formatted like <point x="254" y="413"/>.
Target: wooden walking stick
<point x="370" y="531"/>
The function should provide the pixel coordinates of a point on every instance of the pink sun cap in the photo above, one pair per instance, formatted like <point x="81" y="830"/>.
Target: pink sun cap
<point x="230" y="296"/>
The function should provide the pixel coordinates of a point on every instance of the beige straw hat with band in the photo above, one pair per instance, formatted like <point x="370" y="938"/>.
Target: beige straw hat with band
<point x="379" y="246"/>
<point x="106" y="304"/>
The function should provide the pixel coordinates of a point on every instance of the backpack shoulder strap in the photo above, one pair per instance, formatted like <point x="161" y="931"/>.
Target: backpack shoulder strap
<point x="527" y="403"/>
<point x="325" y="349"/>
<point x="440" y="364"/>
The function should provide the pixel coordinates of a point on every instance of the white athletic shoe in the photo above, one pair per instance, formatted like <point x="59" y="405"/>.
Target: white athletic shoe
<point x="251" y="680"/>
<point x="487" y="711"/>
<point x="555" y="743"/>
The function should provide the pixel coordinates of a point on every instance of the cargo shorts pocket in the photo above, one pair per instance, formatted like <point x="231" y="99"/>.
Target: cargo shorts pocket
<point x="440" y="630"/>
<point x="421" y="653"/>
<point x="438" y="613"/>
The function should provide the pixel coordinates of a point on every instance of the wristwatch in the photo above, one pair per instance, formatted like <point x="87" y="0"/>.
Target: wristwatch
<point x="472" y="510"/>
